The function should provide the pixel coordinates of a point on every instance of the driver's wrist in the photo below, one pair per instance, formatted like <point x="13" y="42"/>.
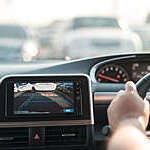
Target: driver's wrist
<point x="132" y="122"/>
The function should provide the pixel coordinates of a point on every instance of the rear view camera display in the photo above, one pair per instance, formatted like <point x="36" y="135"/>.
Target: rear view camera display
<point x="43" y="97"/>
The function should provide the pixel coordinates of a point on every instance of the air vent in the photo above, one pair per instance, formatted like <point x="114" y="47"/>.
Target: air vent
<point x="65" y="135"/>
<point x="11" y="138"/>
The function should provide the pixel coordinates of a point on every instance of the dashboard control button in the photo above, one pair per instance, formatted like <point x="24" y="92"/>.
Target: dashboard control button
<point x="36" y="135"/>
<point x="78" y="98"/>
<point x="77" y="84"/>
<point x="78" y="92"/>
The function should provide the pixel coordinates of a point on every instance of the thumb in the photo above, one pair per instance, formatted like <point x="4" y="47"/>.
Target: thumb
<point x="130" y="87"/>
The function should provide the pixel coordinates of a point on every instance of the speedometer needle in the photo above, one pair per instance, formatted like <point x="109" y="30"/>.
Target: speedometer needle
<point x="108" y="78"/>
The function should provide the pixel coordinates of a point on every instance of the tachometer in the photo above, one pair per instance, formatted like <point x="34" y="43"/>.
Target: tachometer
<point x="112" y="74"/>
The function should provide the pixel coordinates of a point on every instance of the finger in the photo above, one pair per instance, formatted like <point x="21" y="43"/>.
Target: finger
<point x="146" y="111"/>
<point x="119" y="94"/>
<point x="121" y="91"/>
<point x="147" y="106"/>
<point x="115" y="100"/>
<point x="130" y="87"/>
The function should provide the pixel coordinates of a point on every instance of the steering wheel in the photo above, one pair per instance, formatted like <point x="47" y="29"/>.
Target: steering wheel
<point x="142" y="85"/>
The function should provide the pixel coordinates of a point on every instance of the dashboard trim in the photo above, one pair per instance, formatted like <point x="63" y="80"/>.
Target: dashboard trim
<point x="44" y="123"/>
<point x="107" y="97"/>
<point x="104" y="97"/>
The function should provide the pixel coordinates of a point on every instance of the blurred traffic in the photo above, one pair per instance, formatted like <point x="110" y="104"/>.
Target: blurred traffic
<point x="81" y="37"/>
<point x="72" y="37"/>
<point x="16" y="43"/>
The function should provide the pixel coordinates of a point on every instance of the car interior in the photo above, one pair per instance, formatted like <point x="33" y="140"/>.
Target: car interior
<point x="61" y="65"/>
<point x="30" y="121"/>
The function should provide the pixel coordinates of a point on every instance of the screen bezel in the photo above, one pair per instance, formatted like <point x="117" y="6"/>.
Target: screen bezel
<point x="9" y="107"/>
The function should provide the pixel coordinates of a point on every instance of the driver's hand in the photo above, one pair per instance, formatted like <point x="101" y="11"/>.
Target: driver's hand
<point x="128" y="106"/>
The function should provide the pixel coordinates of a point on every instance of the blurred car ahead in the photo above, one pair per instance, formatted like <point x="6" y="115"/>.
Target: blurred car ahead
<point x="144" y="32"/>
<point x="50" y="38"/>
<point x="99" y="36"/>
<point x="16" y="44"/>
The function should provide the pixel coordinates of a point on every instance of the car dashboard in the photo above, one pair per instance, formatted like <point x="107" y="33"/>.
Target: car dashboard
<point x="107" y="75"/>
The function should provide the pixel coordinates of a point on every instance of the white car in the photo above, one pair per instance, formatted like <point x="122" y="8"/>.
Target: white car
<point x="144" y="32"/>
<point x="45" y="86"/>
<point x="93" y="36"/>
<point x="16" y="44"/>
<point x="97" y="41"/>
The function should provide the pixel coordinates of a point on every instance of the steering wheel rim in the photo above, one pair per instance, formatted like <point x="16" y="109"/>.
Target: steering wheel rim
<point x="142" y="85"/>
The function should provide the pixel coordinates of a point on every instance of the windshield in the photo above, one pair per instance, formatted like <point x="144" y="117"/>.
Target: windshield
<point x="38" y="31"/>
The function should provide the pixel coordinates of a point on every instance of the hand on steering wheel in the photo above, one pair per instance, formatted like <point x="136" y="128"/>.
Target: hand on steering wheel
<point x="128" y="106"/>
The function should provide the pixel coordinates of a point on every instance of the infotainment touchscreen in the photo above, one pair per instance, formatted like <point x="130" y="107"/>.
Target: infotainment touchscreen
<point x="43" y="97"/>
<point x="51" y="97"/>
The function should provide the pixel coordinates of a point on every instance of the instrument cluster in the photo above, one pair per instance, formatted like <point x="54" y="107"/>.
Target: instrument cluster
<point x="121" y="72"/>
<point x="112" y="74"/>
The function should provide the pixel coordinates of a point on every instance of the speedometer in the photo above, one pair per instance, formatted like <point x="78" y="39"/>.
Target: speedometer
<point x="112" y="74"/>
